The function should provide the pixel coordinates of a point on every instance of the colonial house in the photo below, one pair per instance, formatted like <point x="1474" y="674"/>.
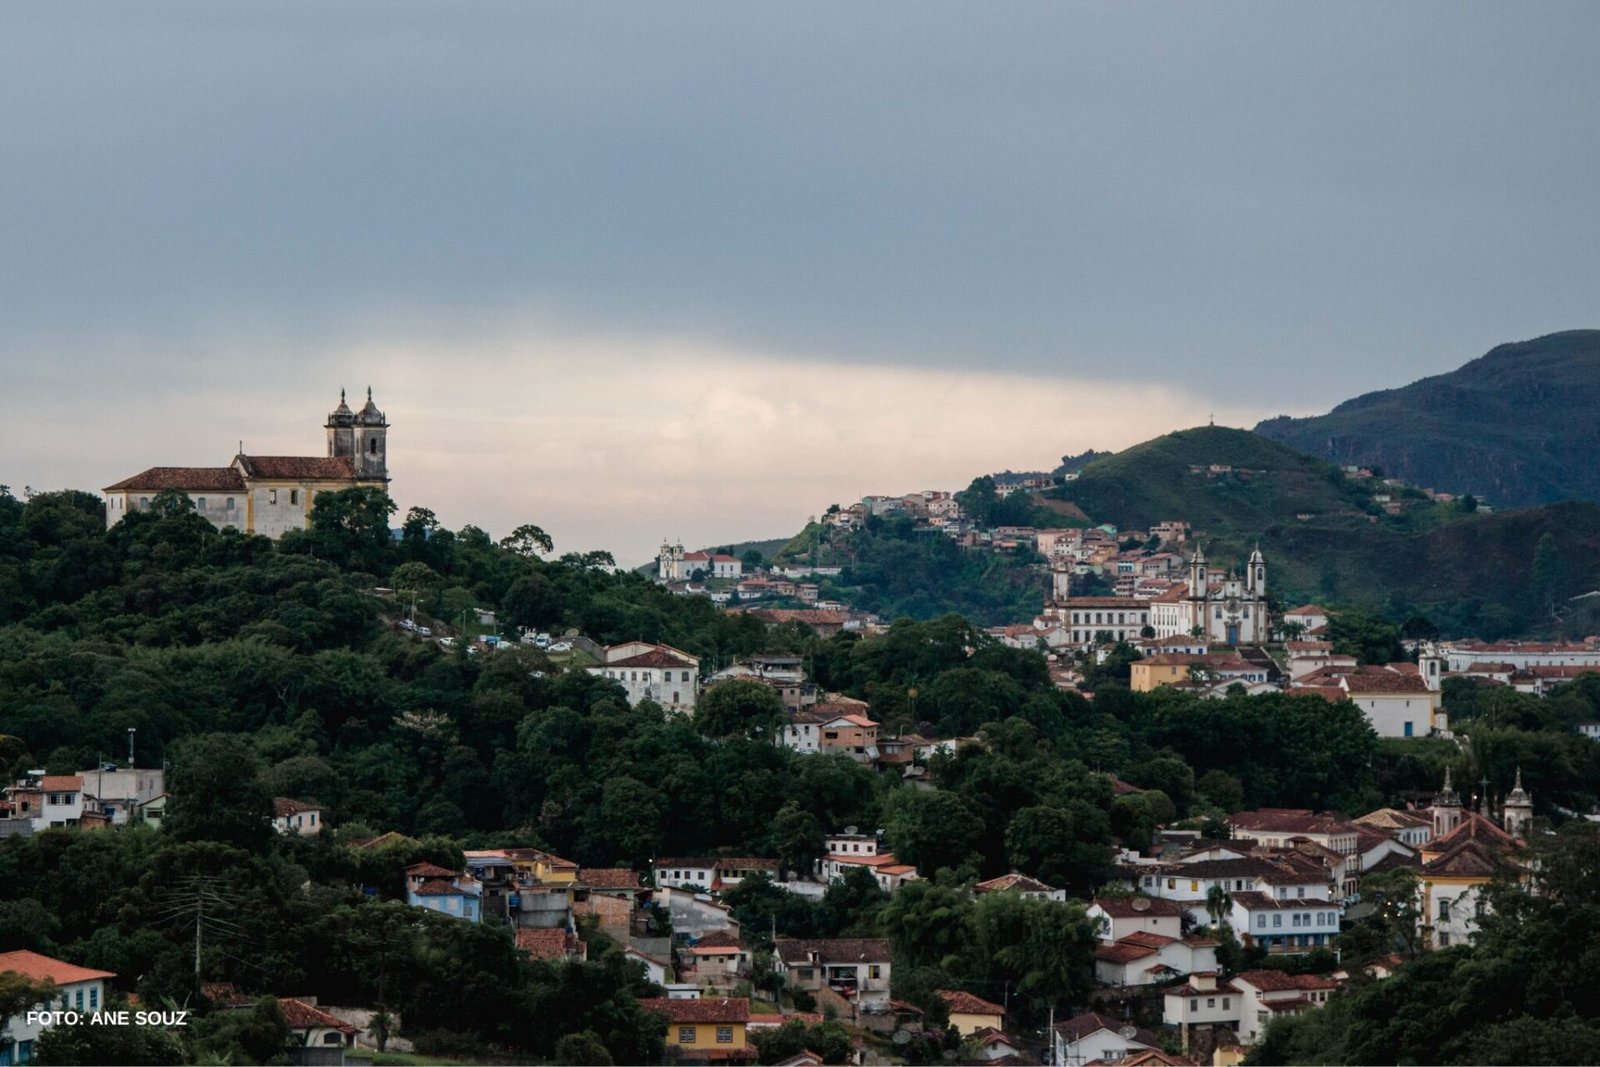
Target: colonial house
<point x="1286" y="923"/>
<point x="712" y="873"/>
<point x="855" y="968"/>
<point x="1265" y="995"/>
<point x="1093" y="1036"/>
<point x="666" y="675"/>
<point x="889" y="872"/>
<point x="296" y="817"/>
<point x="1276" y="827"/>
<point x="269" y="495"/>
<point x="1400" y="700"/>
<point x="460" y="896"/>
<point x="1178" y="668"/>
<point x="1468" y="852"/>
<point x="1021" y="885"/>
<point x="1201" y="1003"/>
<point x="311" y="1027"/>
<point x="1307" y="617"/>
<point x="1147" y="958"/>
<point x="1092" y="619"/>
<point x="79" y="989"/>
<point x="1408" y="827"/>
<point x="705" y="1030"/>
<point x="1117" y="917"/>
<point x="970" y="1014"/>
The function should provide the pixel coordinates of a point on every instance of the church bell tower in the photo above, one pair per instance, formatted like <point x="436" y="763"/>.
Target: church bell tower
<point x="371" y="443"/>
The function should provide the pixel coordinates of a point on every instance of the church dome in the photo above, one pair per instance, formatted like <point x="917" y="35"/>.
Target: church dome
<point x="342" y="415"/>
<point x="370" y="415"/>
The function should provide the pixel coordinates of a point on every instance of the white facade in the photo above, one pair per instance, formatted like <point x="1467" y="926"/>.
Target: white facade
<point x="666" y="675"/>
<point x="1230" y="612"/>
<point x="77" y="989"/>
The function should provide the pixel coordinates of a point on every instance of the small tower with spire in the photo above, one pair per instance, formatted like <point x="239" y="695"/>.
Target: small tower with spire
<point x="1446" y="808"/>
<point x="1517" y="809"/>
<point x="341" y="430"/>
<point x="371" y="442"/>
<point x="1255" y="579"/>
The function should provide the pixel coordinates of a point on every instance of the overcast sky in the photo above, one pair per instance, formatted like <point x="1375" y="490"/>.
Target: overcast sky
<point x="699" y="270"/>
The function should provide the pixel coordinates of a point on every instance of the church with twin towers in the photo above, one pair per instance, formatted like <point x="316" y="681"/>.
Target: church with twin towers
<point x="270" y="495"/>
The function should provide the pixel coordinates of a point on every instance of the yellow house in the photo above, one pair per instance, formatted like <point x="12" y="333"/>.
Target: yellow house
<point x="535" y="865"/>
<point x="711" y="1029"/>
<point x="1168" y="668"/>
<point x="969" y="1014"/>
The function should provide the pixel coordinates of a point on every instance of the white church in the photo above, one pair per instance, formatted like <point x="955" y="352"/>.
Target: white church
<point x="1223" y="607"/>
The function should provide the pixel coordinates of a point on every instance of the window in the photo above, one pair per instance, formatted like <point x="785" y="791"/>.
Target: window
<point x="1277" y="920"/>
<point x="1172" y="883"/>
<point x="94" y="996"/>
<point x="144" y="502"/>
<point x="1227" y="1002"/>
<point x="873" y="971"/>
<point x="1194" y="1004"/>
<point x="79" y="998"/>
<point x="1211" y="1002"/>
<point x="272" y="496"/>
<point x="805" y="974"/>
<point x="1194" y="886"/>
<point x="1444" y="909"/>
<point x="200" y="503"/>
<point x="294" y="496"/>
<point x="1261" y="922"/>
<point x="372" y="447"/>
<point x="1301" y="892"/>
<point x="230" y="503"/>
<point x="1444" y="940"/>
<point x="724" y="1035"/>
<point x="685" y="1035"/>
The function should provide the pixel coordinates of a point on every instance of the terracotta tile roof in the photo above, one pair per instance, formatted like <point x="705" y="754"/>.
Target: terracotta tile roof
<point x="1394" y="819"/>
<point x="654" y="658"/>
<point x="609" y="877"/>
<point x="1266" y="902"/>
<point x="1308" y="646"/>
<point x="1139" y="907"/>
<point x="438" y="887"/>
<point x="551" y="944"/>
<point x="704" y="1010"/>
<point x="1147" y="1058"/>
<point x="1092" y="1022"/>
<point x="1278" y="981"/>
<point x="1473" y="828"/>
<point x="1308" y="609"/>
<point x="1121" y="952"/>
<point x="299" y="468"/>
<point x="1385" y="681"/>
<point x="34" y="966"/>
<point x="1147" y="939"/>
<point x="719" y="939"/>
<point x="1020" y="883"/>
<point x="833" y="950"/>
<point x="1243" y="867"/>
<point x="61" y="783"/>
<point x="302" y="1016"/>
<point x="1290" y="821"/>
<point x="429" y="870"/>
<point x="283" y="807"/>
<point x="959" y="1001"/>
<point x="188" y="479"/>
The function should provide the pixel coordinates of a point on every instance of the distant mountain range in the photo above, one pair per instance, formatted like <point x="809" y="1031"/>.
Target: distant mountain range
<point x="1519" y="425"/>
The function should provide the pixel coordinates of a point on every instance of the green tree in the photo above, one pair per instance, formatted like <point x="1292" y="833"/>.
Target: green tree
<point x="797" y="838"/>
<point x="584" y="1048"/>
<point x="932" y="830"/>
<point x="527" y="540"/>
<point x="739" y="708"/>
<point x="217" y="794"/>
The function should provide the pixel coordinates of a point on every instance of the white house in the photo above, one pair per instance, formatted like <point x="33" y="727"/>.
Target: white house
<point x="1285" y="923"/>
<point x="1147" y="958"/>
<point x="1203" y="1003"/>
<point x="655" y="970"/>
<point x="666" y="675"/>
<point x="1092" y="1036"/>
<point x="1117" y="917"/>
<point x="889" y="872"/>
<point x="296" y="817"/>
<point x="78" y="989"/>
<point x="1308" y="617"/>
<point x="1266" y="994"/>
<point x="855" y="968"/>
<point x="1023" y="886"/>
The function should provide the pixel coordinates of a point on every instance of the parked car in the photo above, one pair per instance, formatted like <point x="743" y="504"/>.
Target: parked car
<point x="424" y="631"/>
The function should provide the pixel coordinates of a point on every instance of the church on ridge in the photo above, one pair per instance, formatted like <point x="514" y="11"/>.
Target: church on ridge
<point x="269" y="495"/>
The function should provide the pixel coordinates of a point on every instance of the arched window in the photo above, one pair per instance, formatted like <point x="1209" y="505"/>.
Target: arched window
<point x="372" y="447"/>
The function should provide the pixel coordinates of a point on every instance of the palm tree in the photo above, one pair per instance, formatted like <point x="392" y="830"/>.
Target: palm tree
<point x="1218" y="903"/>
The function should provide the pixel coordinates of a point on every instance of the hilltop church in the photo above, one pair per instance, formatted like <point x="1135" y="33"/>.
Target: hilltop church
<point x="1222" y="609"/>
<point x="269" y="495"/>
<point x="1225" y="609"/>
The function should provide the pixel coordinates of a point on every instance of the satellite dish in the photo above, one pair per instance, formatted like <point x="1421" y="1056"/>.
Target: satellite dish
<point x="1128" y="1033"/>
<point x="901" y="1037"/>
<point x="1141" y="903"/>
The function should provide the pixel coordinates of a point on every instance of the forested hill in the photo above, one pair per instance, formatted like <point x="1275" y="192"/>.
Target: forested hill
<point x="1329" y="537"/>
<point x="1516" y="426"/>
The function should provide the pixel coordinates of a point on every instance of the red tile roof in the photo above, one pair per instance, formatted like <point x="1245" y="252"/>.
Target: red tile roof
<point x="960" y="1001"/>
<point x="61" y="783"/>
<point x="704" y="1010"/>
<point x="1092" y="1022"/>
<point x="833" y="950"/>
<point x="438" y="887"/>
<point x="429" y="870"/>
<point x="34" y="966"/>
<point x="188" y="479"/>
<point x="552" y="944"/>
<point x="1147" y="939"/>
<point x="283" y="807"/>
<point x="1290" y="821"/>
<point x="609" y="877"/>
<point x="299" y="468"/>
<point x="1021" y="883"/>
<point x="302" y="1016"/>
<point x="1138" y="907"/>
<point x="1121" y="952"/>
<point x="1278" y="981"/>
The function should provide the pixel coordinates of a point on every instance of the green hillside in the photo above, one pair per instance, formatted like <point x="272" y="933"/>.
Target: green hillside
<point x="1516" y="426"/>
<point x="1326" y="538"/>
<point x="1267" y="483"/>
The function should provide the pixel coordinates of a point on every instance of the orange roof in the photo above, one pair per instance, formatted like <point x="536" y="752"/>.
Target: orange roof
<point x="968" y="1004"/>
<point x="302" y="1016"/>
<point x="41" y="968"/>
<point x="61" y="783"/>
<point x="191" y="479"/>
<point x="704" y="1010"/>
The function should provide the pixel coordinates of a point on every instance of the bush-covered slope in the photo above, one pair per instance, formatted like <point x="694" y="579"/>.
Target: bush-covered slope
<point x="1517" y="425"/>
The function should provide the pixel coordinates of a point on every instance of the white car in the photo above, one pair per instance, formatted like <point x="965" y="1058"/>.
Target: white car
<point x="424" y="631"/>
<point x="447" y="642"/>
<point x="560" y="646"/>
